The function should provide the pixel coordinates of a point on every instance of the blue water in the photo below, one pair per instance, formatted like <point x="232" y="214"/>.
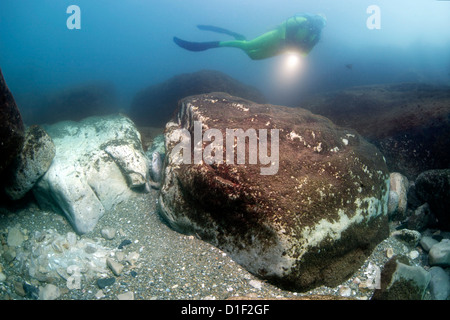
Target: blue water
<point x="130" y="43"/>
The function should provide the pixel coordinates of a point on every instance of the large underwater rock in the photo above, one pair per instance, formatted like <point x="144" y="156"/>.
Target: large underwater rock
<point x="32" y="162"/>
<point x="408" y="122"/>
<point x="312" y="222"/>
<point x="155" y="105"/>
<point x="98" y="163"/>
<point x="72" y="103"/>
<point x="11" y="126"/>
<point x="433" y="187"/>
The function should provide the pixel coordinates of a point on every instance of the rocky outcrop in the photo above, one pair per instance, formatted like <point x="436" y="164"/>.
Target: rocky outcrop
<point x="11" y="126"/>
<point x="32" y="162"/>
<point x="72" y="104"/>
<point x="155" y="105"/>
<point x="408" y="122"/>
<point x="98" y="162"/>
<point x="312" y="221"/>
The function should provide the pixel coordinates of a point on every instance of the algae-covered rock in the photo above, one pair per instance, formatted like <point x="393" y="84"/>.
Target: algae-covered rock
<point x="400" y="281"/>
<point x="11" y="126"/>
<point x="308" y="215"/>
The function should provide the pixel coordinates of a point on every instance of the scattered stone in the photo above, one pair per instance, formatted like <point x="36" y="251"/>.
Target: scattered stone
<point x="108" y="233"/>
<point x="439" y="283"/>
<point x="32" y="162"/>
<point x="411" y="237"/>
<point x="124" y="243"/>
<point x="49" y="292"/>
<point x="439" y="254"/>
<point x="256" y="284"/>
<point x="19" y="289"/>
<point x="399" y="185"/>
<point x="427" y="243"/>
<point x="105" y="282"/>
<point x="120" y="256"/>
<point x="400" y="281"/>
<point x="132" y="258"/>
<point x="389" y="253"/>
<point x="31" y="291"/>
<point x="2" y="277"/>
<point x="9" y="254"/>
<point x="126" y="296"/>
<point x="414" y="254"/>
<point x="115" y="266"/>
<point x="100" y="294"/>
<point x="15" y="237"/>
<point x="345" y="291"/>
<point x="433" y="187"/>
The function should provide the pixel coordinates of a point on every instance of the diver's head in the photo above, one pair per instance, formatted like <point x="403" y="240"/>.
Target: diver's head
<point x="305" y="31"/>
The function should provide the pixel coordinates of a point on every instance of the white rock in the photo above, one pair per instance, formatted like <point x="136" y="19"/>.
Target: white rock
<point x="126" y="296"/>
<point x="99" y="294"/>
<point x="399" y="184"/>
<point x="84" y="181"/>
<point x="115" y="266"/>
<point x="439" y="254"/>
<point x="15" y="237"/>
<point x="345" y="291"/>
<point x="414" y="254"/>
<point x="256" y="284"/>
<point x="108" y="233"/>
<point x="49" y="292"/>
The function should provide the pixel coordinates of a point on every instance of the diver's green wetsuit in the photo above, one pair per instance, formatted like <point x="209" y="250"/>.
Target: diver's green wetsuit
<point x="298" y="33"/>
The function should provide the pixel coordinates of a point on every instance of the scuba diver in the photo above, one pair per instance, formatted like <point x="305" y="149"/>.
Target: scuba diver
<point x="298" y="33"/>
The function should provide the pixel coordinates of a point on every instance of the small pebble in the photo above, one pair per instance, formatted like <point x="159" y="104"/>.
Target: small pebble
<point x="108" y="233"/>
<point x="124" y="243"/>
<point x="345" y="291"/>
<point x="389" y="253"/>
<point x="414" y="254"/>
<point x="105" y="282"/>
<point x="115" y="266"/>
<point x="126" y="296"/>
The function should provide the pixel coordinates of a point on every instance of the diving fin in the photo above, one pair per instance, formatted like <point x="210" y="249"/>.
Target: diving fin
<point x="235" y="35"/>
<point x="196" y="46"/>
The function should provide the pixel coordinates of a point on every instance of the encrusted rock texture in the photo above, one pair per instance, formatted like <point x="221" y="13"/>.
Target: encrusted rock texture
<point x="312" y="223"/>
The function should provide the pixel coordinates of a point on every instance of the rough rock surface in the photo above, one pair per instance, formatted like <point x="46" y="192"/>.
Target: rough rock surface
<point x="155" y="105"/>
<point x="408" y="122"/>
<point x="433" y="187"/>
<point x="313" y="222"/>
<point x="400" y="281"/>
<point x="97" y="161"/>
<point x="11" y="126"/>
<point x="32" y="162"/>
